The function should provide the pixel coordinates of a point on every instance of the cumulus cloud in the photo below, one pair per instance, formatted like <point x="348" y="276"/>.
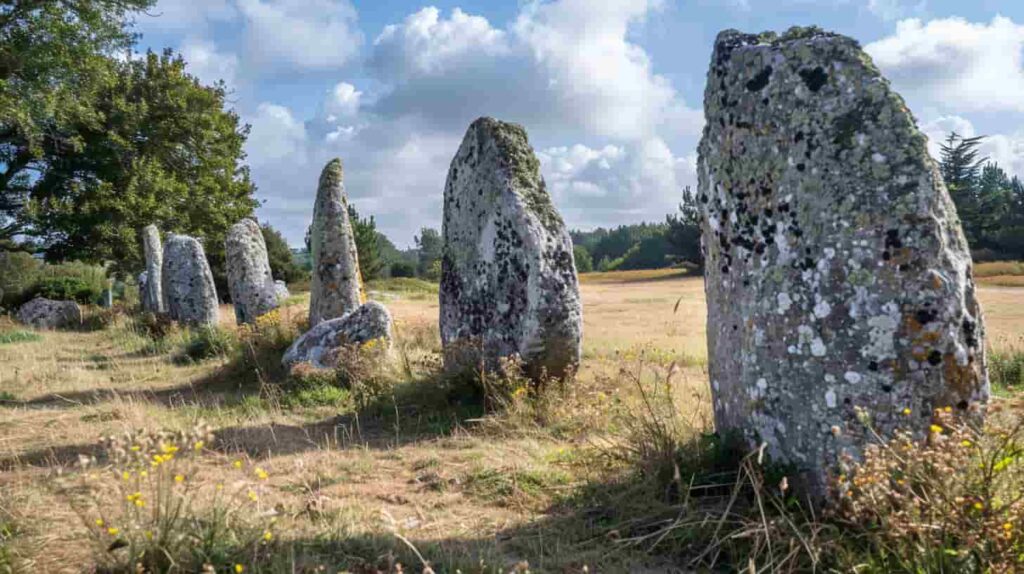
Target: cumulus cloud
<point x="895" y="9"/>
<point x="283" y="35"/>
<point x="276" y="136"/>
<point x="565" y="69"/>
<point x="208" y="64"/>
<point x="425" y="43"/>
<point x="956" y="64"/>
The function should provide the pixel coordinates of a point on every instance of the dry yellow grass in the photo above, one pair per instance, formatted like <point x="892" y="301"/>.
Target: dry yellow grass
<point x="459" y="490"/>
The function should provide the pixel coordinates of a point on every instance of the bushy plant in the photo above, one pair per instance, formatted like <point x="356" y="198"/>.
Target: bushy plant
<point x="18" y="273"/>
<point x="147" y="511"/>
<point x="1006" y="368"/>
<point x="67" y="289"/>
<point x="264" y="341"/>
<point x="208" y="342"/>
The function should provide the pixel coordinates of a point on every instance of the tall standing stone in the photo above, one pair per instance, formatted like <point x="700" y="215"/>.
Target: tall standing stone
<point x="152" y="290"/>
<point x="188" y="287"/>
<point x="838" y="279"/>
<point x="336" y="287"/>
<point x="249" y="279"/>
<point x="508" y="279"/>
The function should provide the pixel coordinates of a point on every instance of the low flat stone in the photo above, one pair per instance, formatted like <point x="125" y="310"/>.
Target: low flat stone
<point x="368" y="322"/>
<point x="44" y="313"/>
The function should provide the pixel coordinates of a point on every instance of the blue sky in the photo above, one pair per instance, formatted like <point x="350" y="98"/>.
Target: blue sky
<point x="610" y="91"/>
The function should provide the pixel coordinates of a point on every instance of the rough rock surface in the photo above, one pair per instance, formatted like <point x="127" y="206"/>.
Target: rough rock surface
<point x="49" y="314"/>
<point x="281" y="289"/>
<point x="838" y="278"/>
<point x="336" y="285"/>
<point x="508" y="279"/>
<point x="249" y="280"/>
<point x="152" y="290"/>
<point x="368" y="322"/>
<point x="188" y="288"/>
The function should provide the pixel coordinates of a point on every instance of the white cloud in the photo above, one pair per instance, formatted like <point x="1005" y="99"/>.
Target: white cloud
<point x="956" y="64"/>
<point x="342" y="102"/>
<point x="207" y="64"/>
<point x="276" y="137"/>
<point x="564" y="69"/>
<point x="283" y="35"/>
<point x="425" y="44"/>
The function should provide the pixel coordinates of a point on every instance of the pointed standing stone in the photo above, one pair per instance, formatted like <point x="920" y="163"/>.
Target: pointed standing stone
<point x="249" y="280"/>
<point x="508" y="279"/>
<point x="838" y="279"/>
<point x="152" y="290"/>
<point x="336" y="287"/>
<point x="188" y="287"/>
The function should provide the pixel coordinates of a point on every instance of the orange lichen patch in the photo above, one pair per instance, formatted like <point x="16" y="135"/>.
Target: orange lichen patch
<point x="963" y="380"/>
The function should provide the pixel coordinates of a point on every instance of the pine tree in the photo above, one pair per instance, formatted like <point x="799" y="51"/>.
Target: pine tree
<point x="367" y="245"/>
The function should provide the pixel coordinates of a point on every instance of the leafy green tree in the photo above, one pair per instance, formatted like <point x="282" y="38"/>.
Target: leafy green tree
<point x="54" y="64"/>
<point x="961" y="166"/>
<point x="584" y="262"/>
<point x="368" y="244"/>
<point x="282" y="261"/>
<point x="164" y="150"/>
<point x="429" y="245"/>
<point x="683" y="233"/>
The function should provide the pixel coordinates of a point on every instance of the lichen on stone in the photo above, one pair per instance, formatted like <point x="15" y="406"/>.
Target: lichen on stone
<point x="825" y="224"/>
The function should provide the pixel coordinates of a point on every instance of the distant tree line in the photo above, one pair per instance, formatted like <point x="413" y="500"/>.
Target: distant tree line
<point x="990" y="202"/>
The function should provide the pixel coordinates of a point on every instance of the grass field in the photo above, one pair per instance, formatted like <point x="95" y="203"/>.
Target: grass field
<point x="352" y="487"/>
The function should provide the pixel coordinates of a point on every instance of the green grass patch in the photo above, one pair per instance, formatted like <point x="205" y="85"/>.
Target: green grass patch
<point x="1006" y="369"/>
<point x="319" y="396"/>
<point x="11" y="337"/>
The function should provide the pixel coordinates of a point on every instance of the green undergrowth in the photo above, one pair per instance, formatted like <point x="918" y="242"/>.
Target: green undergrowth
<point x="12" y="337"/>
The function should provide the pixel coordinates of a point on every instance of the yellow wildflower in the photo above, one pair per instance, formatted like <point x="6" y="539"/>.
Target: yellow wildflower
<point x="978" y="506"/>
<point x="1007" y="526"/>
<point x="906" y="412"/>
<point x="113" y="531"/>
<point x="947" y="410"/>
<point x="99" y="522"/>
<point x="262" y="474"/>
<point x="126" y="475"/>
<point x="140" y="503"/>
<point x="267" y="536"/>
<point x="253" y="497"/>
<point x="935" y="429"/>
<point x="148" y="534"/>
<point x="239" y="568"/>
<point x="237" y="464"/>
<point x="179" y="478"/>
<point x="135" y="448"/>
<point x="965" y="442"/>
<point x="144" y="473"/>
<point x="199" y="445"/>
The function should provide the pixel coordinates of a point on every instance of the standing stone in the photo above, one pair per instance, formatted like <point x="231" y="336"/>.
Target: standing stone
<point x="191" y="296"/>
<point x="508" y="279"/>
<point x="838" y="279"/>
<point x="281" y="289"/>
<point x="151" y="292"/>
<point x="249" y="280"/>
<point x="336" y="287"/>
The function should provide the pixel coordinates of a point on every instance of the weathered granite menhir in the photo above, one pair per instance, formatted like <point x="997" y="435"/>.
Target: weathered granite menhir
<point x="151" y="290"/>
<point x="252" y="287"/>
<point x="838" y="279"/>
<point x="188" y="287"/>
<point x="508" y="279"/>
<point x="336" y="287"/>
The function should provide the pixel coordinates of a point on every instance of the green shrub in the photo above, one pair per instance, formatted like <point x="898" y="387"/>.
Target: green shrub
<point x="18" y="273"/>
<point x="1006" y="368"/>
<point x="67" y="289"/>
<point x="206" y="343"/>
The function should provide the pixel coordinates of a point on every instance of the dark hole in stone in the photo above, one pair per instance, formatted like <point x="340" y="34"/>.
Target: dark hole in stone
<point x="764" y="101"/>
<point x="962" y="405"/>
<point x="887" y="388"/>
<point x="760" y="80"/>
<point x="800" y="167"/>
<point x="925" y="316"/>
<point x="886" y="256"/>
<point x="934" y="358"/>
<point x="873" y="366"/>
<point x="815" y="78"/>
<point x="904" y="267"/>
<point x="799" y="137"/>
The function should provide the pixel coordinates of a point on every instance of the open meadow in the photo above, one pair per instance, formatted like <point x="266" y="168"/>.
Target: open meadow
<point x="315" y="477"/>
